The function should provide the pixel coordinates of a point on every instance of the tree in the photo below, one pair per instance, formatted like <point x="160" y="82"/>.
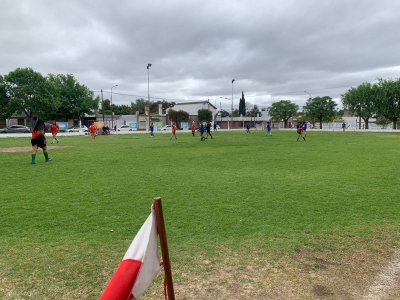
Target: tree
<point x="253" y="112"/>
<point x="5" y="108"/>
<point x="242" y="106"/>
<point x="224" y="113"/>
<point x="139" y="105"/>
<point x="320" y="108"/>
<point x="204" y="115"/>
<point x="236" y="113"/>
<point x="389" y="99"/>
<point x="178" y="116"/>
<point x="361" y="101"/>
<point x="76" y="99"/>
<point x="383" y="121"/>
<point x="30" y="93"/>
<point x="122" y="109"/>
<point x="105" y="107"/>
<point x="282" y="110"/>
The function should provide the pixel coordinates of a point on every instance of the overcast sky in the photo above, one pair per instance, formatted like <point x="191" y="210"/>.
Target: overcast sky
<point x="275" y="50"/>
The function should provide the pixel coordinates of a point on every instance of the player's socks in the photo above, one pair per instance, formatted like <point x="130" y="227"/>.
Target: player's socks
<point x="33" y="157"/>
<point x="46" y="155"/>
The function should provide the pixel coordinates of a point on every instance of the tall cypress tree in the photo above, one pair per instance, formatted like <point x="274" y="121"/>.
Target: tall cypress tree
<point x="242" y="105"/>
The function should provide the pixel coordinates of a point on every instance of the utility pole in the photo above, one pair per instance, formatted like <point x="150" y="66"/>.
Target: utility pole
<point x="102" y="104"/>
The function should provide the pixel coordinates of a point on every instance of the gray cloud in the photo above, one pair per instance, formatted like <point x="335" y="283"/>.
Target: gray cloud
<point x="197" y="47"/>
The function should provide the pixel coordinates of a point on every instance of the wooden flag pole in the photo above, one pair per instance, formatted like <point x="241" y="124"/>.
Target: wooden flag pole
<point x="164" y="247"/>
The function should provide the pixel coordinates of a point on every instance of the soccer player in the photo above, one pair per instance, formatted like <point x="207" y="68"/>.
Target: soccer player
<point x="93" y="129"/>
<point x="208" y="129"/>
<point x="201" y="129"/>
<point x="304" y="128"/>
<point x="152" y="130"/>
<point x="54" y="130"/>
<point x="173" y="131"/>
<point x="248" y="128"/>
<point x="39" y="141"/>
<point x="343" y="126"/>
<point x="193" y="129"/>
<point x="300" y="132"/>
<point x="269" y="129"/>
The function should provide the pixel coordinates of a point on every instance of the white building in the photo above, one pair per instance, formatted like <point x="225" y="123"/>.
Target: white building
<point x="192" y="108"/>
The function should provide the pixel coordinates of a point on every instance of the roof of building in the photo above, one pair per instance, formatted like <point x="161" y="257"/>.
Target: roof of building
<point x="196" y="102"/>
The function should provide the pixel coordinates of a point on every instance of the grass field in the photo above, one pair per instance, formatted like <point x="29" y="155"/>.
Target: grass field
<point x="247" y="216"/>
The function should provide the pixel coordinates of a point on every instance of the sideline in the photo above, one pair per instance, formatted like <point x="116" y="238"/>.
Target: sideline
<point x="386" y="280"/>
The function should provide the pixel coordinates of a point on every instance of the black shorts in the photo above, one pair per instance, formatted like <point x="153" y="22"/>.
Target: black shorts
<point x="39" y="141"/>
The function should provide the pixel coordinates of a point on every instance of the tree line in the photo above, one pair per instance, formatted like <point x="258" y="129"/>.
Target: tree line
<point x="58" y="96"/>
<point x="27" y="92"/>
<point x="381" y="99"/>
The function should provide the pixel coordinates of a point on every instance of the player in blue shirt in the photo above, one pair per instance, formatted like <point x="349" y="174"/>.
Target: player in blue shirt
<point x="152" y="130"/>
<point x="248" y="128"/>
<point x="304" y="128"/>
<point x="269" y="129"/>
<point x="201" y="129"/>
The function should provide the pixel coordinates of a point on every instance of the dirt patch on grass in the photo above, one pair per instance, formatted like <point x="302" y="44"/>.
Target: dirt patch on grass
<point x="27" y="149"/>
<point x="304" y="275"/>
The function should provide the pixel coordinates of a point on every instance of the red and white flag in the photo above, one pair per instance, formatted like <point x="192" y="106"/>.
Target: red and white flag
<point x="139" y="266"/>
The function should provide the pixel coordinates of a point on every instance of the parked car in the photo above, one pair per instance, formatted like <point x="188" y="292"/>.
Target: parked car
<point x="15" y="129"/>
<point x="76" y="128"/>
<point x="124" y="128"/>
<point x="165" y="128"/>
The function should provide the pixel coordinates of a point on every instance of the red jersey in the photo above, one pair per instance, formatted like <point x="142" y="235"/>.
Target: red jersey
<point x="54" y="128"/>
<point x="36" y="133"/>
<point x="300" y="129"/>
<point x="93" y="128"/>
<point x="173" y="128"/>
<point x="193" y="127"/>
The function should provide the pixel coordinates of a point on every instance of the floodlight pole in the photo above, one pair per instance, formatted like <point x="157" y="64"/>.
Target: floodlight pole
<point x="148" y="92"/>
<point x="231" y="107"/>
<point x="112" y="113"/>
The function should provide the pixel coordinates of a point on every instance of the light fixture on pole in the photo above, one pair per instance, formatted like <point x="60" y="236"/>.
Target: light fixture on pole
<point x="112" y="113"/>
<point x="148" y="92"/>
<point x="232" y="106"/>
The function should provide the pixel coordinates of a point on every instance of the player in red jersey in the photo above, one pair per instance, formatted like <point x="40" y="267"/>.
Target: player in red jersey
<point x="54" y="130"/>
<point x="93" y="129"/>
<point x="193" y="129"/>
<point x="300" y="132"/>
<point x="173" y="131"/>
<point x="39" y="141"/>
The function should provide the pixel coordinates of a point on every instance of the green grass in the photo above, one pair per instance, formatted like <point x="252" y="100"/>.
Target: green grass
<point x="237" y="194"/>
